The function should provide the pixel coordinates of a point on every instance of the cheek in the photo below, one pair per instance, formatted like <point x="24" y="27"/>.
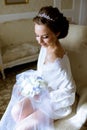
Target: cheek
<point x="47" y="41"/>
<point x="53" y="39"/>
<point x="50" y="40"/>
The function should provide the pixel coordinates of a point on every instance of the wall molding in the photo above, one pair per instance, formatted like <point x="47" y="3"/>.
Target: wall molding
<point x="10" y="17"/>
<point x="70" y="13"/>
<point x="83" y="10"/>
<point x="57" y="3"/>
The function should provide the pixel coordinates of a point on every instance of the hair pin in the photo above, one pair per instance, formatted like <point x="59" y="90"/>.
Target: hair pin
<point x="45" y="16"/>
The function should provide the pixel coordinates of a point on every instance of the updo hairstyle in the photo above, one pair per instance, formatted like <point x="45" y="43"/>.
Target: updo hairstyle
<point x="53" y="19"/>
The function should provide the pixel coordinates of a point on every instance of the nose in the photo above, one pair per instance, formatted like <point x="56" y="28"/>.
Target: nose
<point x="39" y="39"/>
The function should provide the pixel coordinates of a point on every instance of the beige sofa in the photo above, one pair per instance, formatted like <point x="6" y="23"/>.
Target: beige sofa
<point x="76" y="45"/>
<point x="17" y="43"/>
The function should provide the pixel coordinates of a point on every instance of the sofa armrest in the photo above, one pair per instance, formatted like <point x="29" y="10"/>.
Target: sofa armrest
<point x="82" y="106"/>
<point x="79" y="119"/>
<point x="1" y="65"/>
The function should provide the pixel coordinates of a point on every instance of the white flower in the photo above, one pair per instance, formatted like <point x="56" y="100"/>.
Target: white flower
<point x="33" y="85"/>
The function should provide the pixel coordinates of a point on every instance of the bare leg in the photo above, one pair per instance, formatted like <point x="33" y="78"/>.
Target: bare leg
<point x="27" y="124"/>
<point x="22" y="109"/>
<point x="35" y="120"/>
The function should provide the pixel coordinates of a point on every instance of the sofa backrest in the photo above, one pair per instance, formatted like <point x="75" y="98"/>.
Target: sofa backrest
<point x="17" y="31"/>
<point x="76" y="45"/>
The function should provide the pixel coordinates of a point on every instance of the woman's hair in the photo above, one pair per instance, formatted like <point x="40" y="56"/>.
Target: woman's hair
<point x="53" y="19"/>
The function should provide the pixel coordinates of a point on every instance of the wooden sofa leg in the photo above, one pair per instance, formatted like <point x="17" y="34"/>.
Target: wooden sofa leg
<point x="3" y="74"/>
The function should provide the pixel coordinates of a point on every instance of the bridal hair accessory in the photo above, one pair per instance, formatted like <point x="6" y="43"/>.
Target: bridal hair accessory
<point x="45" y="16"/>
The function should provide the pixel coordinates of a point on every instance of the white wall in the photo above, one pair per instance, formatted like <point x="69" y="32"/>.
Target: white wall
<point x="70" y="8"/>
<point x="77" y="14"/>
<point x="18" y="11"/>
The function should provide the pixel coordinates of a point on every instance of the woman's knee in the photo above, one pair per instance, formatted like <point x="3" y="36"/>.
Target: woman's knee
<point x="22" y="110"/>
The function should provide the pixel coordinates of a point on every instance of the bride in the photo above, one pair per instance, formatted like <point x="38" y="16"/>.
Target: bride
<point x="41" y="96"/>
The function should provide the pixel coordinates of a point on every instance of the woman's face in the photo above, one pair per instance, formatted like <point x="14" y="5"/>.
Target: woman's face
<point x="44" y="35"/>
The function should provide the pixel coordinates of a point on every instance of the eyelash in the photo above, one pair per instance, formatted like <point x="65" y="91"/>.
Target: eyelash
<point x="44" y="37"/>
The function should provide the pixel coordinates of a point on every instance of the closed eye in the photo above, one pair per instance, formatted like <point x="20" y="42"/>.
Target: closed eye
<point x="43" y="36"/>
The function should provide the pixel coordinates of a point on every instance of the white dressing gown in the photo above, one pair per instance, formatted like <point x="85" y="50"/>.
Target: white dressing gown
<point x="55" y="103"/>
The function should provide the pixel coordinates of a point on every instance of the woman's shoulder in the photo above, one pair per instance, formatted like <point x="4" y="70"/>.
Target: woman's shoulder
<point x="63" y="62"/>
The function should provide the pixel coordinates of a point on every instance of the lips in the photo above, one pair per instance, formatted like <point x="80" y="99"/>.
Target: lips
<point x="43" y="44"/>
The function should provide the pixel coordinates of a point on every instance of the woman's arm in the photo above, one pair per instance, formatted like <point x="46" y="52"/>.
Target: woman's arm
<point x="61" y="98"/>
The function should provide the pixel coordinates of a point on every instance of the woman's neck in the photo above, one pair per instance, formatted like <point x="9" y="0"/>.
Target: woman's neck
<point x="54" y="52"/>
<point x="56" y="49"/>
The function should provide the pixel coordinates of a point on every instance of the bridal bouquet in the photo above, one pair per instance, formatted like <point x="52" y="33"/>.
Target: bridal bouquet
<point x="32" y="85"/>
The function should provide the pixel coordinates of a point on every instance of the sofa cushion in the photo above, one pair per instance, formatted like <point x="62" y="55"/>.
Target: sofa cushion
<point x="18" y="51"/>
